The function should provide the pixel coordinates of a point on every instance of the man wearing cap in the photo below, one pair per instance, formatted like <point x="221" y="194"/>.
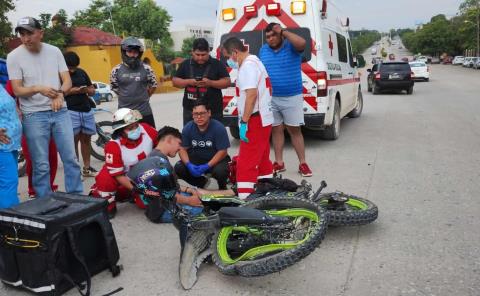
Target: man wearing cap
<point x="40" y="79"/>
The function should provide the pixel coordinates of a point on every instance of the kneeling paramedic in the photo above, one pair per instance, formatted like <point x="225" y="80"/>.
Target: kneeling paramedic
<point x="131" y="142"/>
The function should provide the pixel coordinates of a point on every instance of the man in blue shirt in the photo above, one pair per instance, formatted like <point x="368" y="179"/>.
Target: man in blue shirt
<point x="282" y="59"/>
<point x="204" y="149"/>
<point x="10" y="137"/>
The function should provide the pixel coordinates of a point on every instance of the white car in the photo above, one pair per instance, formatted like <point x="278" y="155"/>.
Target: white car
<point x="458" y="60"/>
<point x="420" y="70"/>
<point x="422" y="59"/>
<point x="467" y="61"/>
<point x="102" y="91"/>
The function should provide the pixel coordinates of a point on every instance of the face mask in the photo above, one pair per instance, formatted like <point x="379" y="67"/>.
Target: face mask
<point x="232" y="64"/>
<point x="134" y="134"/>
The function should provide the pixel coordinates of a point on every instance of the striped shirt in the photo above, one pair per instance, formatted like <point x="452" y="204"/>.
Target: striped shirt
<point x="284" y="68"/>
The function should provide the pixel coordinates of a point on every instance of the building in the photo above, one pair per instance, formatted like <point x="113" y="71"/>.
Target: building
<point x="191" y="31"/>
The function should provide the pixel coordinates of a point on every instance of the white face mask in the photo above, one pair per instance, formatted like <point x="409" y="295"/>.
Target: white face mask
<point x="232" y="64"/>
<point x="135" y="134"/>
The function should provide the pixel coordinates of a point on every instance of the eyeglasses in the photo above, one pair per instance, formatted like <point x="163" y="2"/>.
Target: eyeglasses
<point x="199" y="114"/>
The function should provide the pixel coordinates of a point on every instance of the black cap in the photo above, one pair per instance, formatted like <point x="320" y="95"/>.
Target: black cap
<point x="28" y="23"/>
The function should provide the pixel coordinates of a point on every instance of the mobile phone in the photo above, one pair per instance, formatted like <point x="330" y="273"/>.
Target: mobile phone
<point x="198" y="78"/>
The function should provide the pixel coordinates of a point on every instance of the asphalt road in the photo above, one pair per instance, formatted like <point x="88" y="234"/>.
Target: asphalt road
<point x="415" y="156"/>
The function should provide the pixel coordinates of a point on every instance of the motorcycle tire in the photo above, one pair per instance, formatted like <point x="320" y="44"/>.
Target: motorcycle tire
<point x="357" y="211"/>
<point x="276" y="261"/>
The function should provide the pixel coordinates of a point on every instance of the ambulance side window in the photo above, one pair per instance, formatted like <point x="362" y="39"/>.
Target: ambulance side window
<point x="350" y="54"/>
<point x="342" y="49"/>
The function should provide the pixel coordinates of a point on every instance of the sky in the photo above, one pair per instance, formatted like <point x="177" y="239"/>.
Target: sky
<point x="381" y="15"/>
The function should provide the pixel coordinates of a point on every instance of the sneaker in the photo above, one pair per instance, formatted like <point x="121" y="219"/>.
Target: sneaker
<point x="304" y="170"/>
<point x="277" y="168"/>
<point x="89" y="172"/>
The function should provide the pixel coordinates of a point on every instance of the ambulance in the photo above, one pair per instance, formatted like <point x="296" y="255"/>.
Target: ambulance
<point x="331" y="81"/>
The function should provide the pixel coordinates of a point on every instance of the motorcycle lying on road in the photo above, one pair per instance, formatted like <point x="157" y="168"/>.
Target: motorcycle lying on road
<point x="272" y="230"/>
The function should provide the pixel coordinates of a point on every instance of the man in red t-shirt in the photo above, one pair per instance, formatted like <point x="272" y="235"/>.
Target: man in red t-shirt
<point x="131" y="142"/>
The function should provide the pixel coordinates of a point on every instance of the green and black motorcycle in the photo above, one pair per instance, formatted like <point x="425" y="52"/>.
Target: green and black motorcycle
<point x="275" y="228"/>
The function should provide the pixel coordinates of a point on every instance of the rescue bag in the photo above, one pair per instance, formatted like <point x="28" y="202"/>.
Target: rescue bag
<point x="50" y="245"/>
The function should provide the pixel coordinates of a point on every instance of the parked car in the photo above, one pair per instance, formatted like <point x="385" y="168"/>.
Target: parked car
<point x="422" y="59"/>
<point x="472" y="62"/>
<point x="458" y="60"/>
<point x="103" y="91"/>
<point x="435" y="61"/>
<point x="376" y="60"/>
<point x="466" y="62"/>
<point x="420" y="71"/>
<point x="477" y="64"/>
<point x="390" y="76"/>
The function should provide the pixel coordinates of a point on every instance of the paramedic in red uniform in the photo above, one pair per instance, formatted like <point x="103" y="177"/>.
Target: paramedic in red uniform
<point x="131" y="142"/>
<point x="282" y="57"/>
<point x="255" y="116"/>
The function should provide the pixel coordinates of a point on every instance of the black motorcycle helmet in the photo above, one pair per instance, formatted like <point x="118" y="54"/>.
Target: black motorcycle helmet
<point x="159" y="182"/>
<point x="131" y="43"/>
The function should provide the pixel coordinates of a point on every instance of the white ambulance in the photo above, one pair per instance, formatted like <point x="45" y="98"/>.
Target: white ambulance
<point x="331" y="82"/>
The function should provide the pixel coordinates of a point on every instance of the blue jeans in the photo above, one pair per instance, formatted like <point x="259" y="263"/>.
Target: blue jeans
<point x="38" y="127"/>
<point x="8" y="179"/>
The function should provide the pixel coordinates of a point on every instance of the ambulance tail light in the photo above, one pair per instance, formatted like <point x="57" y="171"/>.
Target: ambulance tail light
<point x="273" y="9"/>
<point x="298" y="7"/>
<point x="322" y="84"/>
<point x="250" y="11"/>
<point x="228" y="14"/>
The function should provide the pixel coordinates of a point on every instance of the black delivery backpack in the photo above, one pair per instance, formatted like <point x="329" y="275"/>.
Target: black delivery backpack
<point x="50" y="245"/>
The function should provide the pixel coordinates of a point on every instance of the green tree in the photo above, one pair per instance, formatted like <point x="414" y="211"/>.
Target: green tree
<point x="139" y="18"/>
<point x="5" y="26"/>
<point x="363" y="39"/>
<point x="187" y="47"/>
<point x="57" y="34"/>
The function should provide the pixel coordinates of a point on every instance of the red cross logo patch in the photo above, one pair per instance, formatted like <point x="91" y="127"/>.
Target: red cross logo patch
<point x="330" y="45"/>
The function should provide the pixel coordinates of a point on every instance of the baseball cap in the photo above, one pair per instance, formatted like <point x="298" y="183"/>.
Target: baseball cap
<point x="28" y="23"/>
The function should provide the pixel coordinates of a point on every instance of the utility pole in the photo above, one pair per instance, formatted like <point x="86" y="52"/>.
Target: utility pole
<point x="478" y="28"/>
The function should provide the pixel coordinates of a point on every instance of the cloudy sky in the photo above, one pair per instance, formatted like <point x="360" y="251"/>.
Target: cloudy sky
<point x="371" y="14"/>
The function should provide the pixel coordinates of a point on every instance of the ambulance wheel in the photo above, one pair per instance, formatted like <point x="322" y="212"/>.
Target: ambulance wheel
<point x="358" y="110"/>
<point x="332" y="132"/>
<point x="235" y="132"/>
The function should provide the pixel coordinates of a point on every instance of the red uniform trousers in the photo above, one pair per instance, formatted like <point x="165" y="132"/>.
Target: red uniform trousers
<point x="108" y="188"/>
<point x="52" y="159"/>
<point x="254" y="157"/>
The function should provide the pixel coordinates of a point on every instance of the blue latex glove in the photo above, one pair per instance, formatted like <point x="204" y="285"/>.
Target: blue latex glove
<point x="243" y="131"/>
<point x="194" y="170"/>
<point x="203" y="168"/>
<point x="191" y="168"/>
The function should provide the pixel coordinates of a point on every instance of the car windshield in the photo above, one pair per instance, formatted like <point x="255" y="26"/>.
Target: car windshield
<point x="395" y="67"/>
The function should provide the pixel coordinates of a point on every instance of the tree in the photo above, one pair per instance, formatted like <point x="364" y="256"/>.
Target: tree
<point x="139" y="18"/>
<point x="56" y="33"/>
<point x="361" y="40"/>
<point x="187" y="47"/>
<point x="5" y="26"/>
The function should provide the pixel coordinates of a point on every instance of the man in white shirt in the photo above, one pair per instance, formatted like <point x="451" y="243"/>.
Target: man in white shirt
<point x="255" y="115"/>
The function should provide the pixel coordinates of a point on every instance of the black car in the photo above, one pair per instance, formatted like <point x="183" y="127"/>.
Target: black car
<point x="390" y="76"/>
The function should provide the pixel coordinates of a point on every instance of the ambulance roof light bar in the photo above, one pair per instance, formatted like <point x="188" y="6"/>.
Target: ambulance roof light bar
<point x="298" y="7"/>
<point x="250" y="11"/>
<point x="274" y="9"/>
<point x="228" y="14"/>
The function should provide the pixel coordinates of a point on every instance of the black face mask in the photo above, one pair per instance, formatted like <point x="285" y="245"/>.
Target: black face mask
<point x="131" y="62"/>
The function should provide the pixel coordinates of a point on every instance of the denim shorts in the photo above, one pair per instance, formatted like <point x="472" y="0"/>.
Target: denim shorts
<point x="288" y="110"/>
<point x="83" y="122"/>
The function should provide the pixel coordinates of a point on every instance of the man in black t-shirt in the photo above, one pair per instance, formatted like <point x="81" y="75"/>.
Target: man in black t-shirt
<point x="204" y="149"/>
<point x="203" y="77"/>
<point x="80" y="110"/>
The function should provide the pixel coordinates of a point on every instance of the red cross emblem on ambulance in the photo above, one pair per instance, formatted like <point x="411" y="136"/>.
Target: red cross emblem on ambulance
<point x="330" y="45"/>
